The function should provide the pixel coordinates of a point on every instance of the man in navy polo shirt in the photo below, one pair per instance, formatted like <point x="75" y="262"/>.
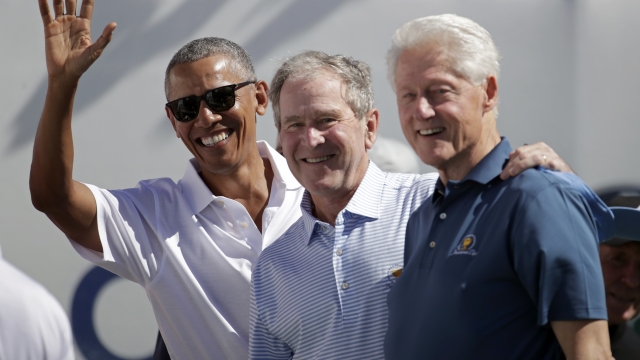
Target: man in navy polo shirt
<point x="494" y="269"/>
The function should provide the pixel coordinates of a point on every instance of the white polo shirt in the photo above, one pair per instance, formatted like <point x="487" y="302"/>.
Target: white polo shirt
<point x="193" y="253"/>
<point x="33" y="325"/>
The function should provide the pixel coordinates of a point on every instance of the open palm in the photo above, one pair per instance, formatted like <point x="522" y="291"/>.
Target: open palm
<point x="69" y="49"/>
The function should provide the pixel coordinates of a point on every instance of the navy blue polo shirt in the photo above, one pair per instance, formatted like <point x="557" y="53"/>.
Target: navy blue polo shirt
<point x="490" y="262"/>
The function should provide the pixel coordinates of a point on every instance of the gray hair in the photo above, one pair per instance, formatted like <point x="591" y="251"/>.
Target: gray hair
<point x="355" y="75"/>
<point x="210" y="46"/>
<point x="467" y="46"/>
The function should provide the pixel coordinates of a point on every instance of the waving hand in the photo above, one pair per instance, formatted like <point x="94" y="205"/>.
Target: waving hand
<point x="69" y="52"/>
<point x="68" y="45"/>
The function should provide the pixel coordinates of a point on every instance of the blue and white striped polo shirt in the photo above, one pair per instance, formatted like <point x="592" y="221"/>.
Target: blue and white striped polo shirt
<point x="319" y="292"/>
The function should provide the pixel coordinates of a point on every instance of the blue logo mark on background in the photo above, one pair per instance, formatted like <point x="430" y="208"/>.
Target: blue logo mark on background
<point x="82" y="310"/>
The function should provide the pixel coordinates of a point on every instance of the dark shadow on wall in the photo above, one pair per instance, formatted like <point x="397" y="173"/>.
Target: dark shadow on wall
<point x="137" y="40"/>
<point x="292" y="21"/>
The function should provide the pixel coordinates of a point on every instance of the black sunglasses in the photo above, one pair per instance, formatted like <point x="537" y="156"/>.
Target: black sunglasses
<point x="218" y="99"/>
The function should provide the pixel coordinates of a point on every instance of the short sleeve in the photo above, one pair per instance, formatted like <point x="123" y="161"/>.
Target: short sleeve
<point x="601" y="213"/>
<point x="555" y="249"/>
<point x="125" y="236"/>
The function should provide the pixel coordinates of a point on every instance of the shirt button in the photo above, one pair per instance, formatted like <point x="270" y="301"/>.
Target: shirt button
<point x="220" y="202"/>
<point x="443" y="216"/>
<point x="345" y="286"/>
<point x="339" y="251"/>
<point x="432" y="244"/>
<point x="244" y="224"/>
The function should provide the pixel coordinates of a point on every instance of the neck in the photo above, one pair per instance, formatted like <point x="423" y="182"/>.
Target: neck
<point x="327" y="208"/>
<point x="250" y="185"/>
<point x="329" y="203"/>
<point x="462" y="163"/>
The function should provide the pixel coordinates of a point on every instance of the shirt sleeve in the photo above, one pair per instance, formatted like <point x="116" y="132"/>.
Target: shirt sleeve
<point x="601" y="213"/>
<point x="124" y="233"/>
<point x="262" y="343"/>
<point x="555" y="248"/>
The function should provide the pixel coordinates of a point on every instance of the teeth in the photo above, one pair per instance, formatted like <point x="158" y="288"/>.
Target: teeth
<point x="431" y="131"/>
<point x="210" y="141"/>
<point x="317" y="160"/>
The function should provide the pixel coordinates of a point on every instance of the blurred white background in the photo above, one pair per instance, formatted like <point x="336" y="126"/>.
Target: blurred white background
<point x="570" y="77"/>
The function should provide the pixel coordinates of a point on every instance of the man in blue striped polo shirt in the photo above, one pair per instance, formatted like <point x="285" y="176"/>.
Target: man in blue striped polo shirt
<point x="320" y="289"/>
<point x="495" y="268"/>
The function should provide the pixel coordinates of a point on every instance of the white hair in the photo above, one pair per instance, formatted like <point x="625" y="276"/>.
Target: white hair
<point x="467" y="46"/>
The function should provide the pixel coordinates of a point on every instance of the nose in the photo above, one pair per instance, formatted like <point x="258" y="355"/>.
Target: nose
<point x="313" y="136"/>
<point x="206" y="117"/>
<point x="424" y="109"/>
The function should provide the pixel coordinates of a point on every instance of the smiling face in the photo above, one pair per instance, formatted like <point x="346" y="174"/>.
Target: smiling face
<point x="446" y="119"/>
<point x="221" y="142"/>
<point x="324" y="143"/>
<point x="621" y="271"/>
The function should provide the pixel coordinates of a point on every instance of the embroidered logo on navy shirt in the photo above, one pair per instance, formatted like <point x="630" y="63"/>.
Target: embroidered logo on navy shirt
<point x="465" y="247"/>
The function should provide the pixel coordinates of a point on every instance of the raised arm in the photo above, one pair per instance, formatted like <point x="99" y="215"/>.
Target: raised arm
<point x="69" y="53"/>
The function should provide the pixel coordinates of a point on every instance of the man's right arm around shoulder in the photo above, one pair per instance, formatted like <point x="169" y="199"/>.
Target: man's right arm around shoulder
<point x="69" y="53"/>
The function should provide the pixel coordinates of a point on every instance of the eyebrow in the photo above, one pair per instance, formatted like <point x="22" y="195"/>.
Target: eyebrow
<point x="290" y="119"/>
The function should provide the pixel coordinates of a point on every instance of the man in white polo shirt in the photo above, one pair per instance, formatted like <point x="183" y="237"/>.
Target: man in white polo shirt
<point x="190" y="245"/>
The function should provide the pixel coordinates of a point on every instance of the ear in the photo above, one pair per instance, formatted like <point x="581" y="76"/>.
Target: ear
<point x="262" y="89"/>
<point x="371" y="126"/>
<point x="491" y="92"/>
<point x="172" y="120"/>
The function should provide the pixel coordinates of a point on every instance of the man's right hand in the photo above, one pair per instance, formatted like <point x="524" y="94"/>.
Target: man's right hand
<point x="69" y="52"/>
<point x="69" y="49"/>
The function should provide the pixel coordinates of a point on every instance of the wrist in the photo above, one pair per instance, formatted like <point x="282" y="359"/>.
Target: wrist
<point x="62" y="84"/>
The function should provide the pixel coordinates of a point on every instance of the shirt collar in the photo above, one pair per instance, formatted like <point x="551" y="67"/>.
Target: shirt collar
<point x="199" y="196"/>
<point x="486" y="170"/>
<point x="279" y="165"/>
<point x="365" y="202"/>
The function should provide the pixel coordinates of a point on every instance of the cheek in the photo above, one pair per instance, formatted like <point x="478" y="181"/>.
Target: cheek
<point x="182" y="130"/>
<point x="609" y="275"/>
<point x="288" y="144"/>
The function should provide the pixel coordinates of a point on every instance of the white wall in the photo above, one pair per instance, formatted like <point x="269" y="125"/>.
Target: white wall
<point x="570" y="77"/>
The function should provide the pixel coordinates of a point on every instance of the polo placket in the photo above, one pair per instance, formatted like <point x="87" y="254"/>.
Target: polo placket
<point x="344" y="280"/>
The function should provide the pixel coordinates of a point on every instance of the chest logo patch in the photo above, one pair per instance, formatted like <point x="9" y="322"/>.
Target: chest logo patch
<point x="466" y="246"/>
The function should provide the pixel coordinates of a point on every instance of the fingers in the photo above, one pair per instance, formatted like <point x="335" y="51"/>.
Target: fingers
<point x="544" y="155"/>
<point x="58" y="7"/>
<point x="102" y="42"/>
<point x="70" y="5"/>
<point x="45" y="12"/>
<point x="521" y="159"/>
<point x="86" y="9"/>
<point x="529" y="156"/>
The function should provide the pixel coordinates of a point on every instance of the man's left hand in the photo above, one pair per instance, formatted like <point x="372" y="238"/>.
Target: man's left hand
<point x="528" y="156"/>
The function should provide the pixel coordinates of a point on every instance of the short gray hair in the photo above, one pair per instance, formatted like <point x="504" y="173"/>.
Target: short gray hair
<point x="466" y="45"/>
<point x="355" y="75"/>
<point x="210" y="46"/>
